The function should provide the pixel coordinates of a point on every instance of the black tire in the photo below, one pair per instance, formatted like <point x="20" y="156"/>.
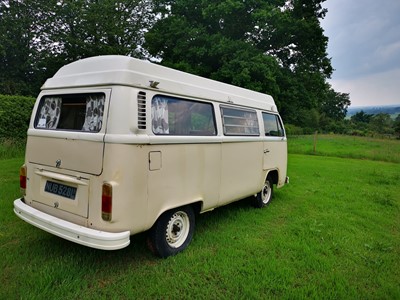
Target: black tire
<point x="172" y="232"/>
<point x="263" y="198"/>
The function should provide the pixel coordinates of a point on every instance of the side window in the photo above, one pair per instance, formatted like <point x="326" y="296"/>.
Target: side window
<point x="174" y="116"/>
<point x="76" y="112"/>
<point x="272" y="125"/>
<point x="239" y="121"/>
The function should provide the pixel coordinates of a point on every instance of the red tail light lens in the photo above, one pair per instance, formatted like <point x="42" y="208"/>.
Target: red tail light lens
<point x="106" y="202"/>
<point x="22" y="180"/>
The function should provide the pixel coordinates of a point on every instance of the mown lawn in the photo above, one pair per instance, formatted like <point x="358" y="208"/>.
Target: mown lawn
<point x="332" y="233"/>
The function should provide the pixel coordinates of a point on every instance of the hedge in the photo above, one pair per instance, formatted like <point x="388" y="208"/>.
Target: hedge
<point x="15" y="113"/>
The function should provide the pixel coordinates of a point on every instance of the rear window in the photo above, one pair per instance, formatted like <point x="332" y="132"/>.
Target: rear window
<point x="76" y="112"/>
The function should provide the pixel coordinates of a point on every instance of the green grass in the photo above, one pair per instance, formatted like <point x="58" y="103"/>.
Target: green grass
<point x="11" y="148"/>
<point x="346" y="147"/>
<point x="332" y="233"/>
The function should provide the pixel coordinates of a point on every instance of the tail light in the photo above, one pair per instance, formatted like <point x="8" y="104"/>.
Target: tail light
<point x="22" y="180"/>
<point x="106" y="202"/>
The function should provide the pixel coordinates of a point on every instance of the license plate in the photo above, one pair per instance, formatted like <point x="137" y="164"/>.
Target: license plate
<point x="60" y="189"/>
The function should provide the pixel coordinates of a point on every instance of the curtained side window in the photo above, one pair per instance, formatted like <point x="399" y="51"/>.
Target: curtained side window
<point x="176" y="116"/>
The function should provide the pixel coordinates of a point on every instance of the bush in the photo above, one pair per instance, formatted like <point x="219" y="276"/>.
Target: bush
<point x="11" y="148"/>
<point x="15" y="113"/>
<point x="293" y="130"/>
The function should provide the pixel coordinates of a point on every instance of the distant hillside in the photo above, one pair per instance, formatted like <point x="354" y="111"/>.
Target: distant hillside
<point x="392" y="110"/>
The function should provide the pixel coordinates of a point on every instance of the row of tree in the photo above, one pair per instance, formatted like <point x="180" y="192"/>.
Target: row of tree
<point x="272" y="46"/>
<point x="366" y="124"/>
<point x="360" y="124"/>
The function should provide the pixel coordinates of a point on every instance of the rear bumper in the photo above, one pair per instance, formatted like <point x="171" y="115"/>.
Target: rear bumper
<point x="70" y="231"/>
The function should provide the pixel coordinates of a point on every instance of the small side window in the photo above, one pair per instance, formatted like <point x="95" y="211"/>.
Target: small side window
<point x="175" y="116"/>
<point x="272" y="125"/>
<point x="76" y="112"/>
<point x="239" y="121"/>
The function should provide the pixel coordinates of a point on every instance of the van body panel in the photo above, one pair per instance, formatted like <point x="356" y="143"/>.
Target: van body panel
<point x="125" y="167"/>
<point x="59" y="213"/>
<point x="63" y="192"/>
<point x="189" y="173"/>
<point x="275" y="154"/>
<point x="71" y="154"/>
<point x="241" y="175"/>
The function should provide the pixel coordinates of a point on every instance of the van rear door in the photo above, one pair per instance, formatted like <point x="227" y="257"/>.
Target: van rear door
<point x="65" y="148"/>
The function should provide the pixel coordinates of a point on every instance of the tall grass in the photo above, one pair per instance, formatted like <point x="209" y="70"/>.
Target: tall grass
<point x="332" y="233"/>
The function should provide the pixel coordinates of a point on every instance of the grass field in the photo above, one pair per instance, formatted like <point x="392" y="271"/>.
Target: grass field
<point x="332" y="233"/>
<point x="346" y="147"/>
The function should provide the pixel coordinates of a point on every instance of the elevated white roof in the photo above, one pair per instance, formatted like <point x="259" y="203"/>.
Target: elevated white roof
<point x="123" y="70"/>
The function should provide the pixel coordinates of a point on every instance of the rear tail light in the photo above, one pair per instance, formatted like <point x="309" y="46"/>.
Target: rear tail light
<point x="22" y="180"/>
<point x="106" y="202"/>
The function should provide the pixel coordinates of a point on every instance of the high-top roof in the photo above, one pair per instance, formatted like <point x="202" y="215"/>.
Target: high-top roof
<point x="123" y="70"/>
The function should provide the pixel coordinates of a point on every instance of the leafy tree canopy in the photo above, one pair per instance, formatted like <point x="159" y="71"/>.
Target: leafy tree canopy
<point x="361" y="117"/>
<point x="37" y="37"/>
<point x="272" y="46"/>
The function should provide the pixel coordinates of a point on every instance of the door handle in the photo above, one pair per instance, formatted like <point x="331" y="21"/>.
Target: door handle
<point x="266" y="151"/>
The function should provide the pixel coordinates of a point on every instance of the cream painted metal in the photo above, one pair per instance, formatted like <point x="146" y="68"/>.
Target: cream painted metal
<point x="151" y="174"/>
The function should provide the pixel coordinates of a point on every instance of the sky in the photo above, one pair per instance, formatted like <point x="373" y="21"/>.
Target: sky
<point x="364" y="45"/>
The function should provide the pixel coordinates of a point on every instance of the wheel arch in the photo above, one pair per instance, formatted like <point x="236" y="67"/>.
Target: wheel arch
<point x="274" y="175"/>
<point x="196" y="206"/>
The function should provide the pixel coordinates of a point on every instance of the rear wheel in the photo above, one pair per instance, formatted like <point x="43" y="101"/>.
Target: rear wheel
<point x="263" y="198"/>
<point x="172" y="232"/>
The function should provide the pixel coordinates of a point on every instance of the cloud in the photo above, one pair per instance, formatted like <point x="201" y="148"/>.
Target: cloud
<point x="373" y="89"/>
<point x="363" y="36"/>
<point x="364" y="44"/>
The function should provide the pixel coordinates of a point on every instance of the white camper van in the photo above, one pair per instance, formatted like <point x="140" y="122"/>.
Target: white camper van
<point x="118" y="146"/>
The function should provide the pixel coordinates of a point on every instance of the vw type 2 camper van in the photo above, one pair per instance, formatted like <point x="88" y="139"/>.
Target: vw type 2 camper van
<point x="118" y="146"/>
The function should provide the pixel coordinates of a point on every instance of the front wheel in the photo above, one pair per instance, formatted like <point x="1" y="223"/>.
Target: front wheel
<point x="265" y="195"/>
<point x="172" y="232"/>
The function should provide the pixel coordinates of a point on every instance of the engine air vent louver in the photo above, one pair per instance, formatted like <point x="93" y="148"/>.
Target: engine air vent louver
<point x="142" y="110"/>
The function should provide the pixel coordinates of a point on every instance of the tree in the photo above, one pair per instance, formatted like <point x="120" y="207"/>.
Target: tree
<point x="37" y="37"/>
<point x="396" y="126"/>
<point x="84" y="28"/>
<point x="272" y="46"/>
<point x="381" y="123"/>
<point x="335" y="105"/>
<point x="16" y="47"/>
<point x="361" y="117"/>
